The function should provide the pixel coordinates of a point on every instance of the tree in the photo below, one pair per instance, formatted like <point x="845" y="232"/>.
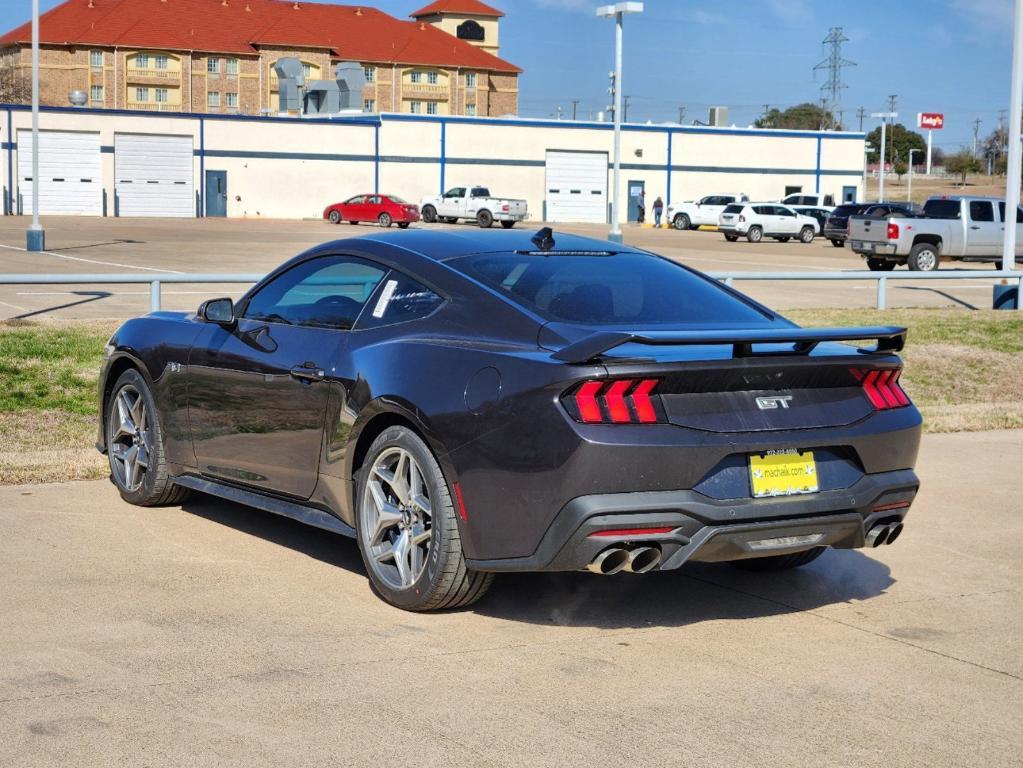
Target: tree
<point x="962" y="163"/>
<point x="898" y="141"/>
<point x="994" y="149"/>
<point x="900" y="169"/>
<point x="15" y="82"/>
<point x="805" y="117"/>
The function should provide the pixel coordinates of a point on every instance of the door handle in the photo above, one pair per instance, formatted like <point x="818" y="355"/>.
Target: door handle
<point x="975" y="227"/>
<point x="308" y="372"/>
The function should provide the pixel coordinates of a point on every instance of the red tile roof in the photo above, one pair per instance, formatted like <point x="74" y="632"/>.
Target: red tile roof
<point x="349" y="32"/>
<point x="474" y="7"/>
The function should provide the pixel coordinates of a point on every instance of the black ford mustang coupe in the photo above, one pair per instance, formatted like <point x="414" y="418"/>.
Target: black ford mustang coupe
<point x="464" y="404"/>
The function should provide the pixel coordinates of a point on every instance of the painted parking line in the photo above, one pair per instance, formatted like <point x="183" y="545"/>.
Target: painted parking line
<point x="94" y="261"/>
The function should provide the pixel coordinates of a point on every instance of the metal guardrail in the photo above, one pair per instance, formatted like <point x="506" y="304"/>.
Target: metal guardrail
<point x="155" y="281"/>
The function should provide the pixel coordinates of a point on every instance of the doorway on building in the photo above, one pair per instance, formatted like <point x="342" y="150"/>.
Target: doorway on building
<point x="636" y="188"/>
<point x="848" y="194"/>
<point x="216" y="193"/>
<point x="792" y="191"/>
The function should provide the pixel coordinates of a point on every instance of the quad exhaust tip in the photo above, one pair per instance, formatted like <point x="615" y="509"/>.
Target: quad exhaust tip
<point x="609" y="562"/>
<point x="883" y="534"/>
<point x="643" y="559"/>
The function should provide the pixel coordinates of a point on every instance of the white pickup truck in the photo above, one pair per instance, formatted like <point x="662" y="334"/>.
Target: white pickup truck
<point x="473" y="203"/>
<point x="951" y="228"/>
<point x="706" y="210"/>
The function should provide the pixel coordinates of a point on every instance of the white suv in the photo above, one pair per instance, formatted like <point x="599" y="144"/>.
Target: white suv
<point x="755" y="221"/>
<point x="706" y="210"/>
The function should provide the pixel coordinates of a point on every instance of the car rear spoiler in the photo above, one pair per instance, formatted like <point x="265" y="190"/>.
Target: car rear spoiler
<point x="888" y="338"/>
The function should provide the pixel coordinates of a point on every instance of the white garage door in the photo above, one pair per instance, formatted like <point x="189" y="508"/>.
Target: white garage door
<point x="70" y="178"/>
<point x="154" y="175"/>
<point x="576" y="186"/>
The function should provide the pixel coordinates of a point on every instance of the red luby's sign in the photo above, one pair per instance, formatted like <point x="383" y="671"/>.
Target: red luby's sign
<point x="930" y="120"/>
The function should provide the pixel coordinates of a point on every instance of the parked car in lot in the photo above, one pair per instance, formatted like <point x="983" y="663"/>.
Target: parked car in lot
<point x="474" y="204"/>
<point x="706" y="210"/>
<point x="820" y="215"/>
<point x="464" y="405"/>
<point x="836" y="228"/>
<point x="383" y="209"/>
<point x="814" y="199"/>
<point x="958" y="228"/>
<point x="755" y="221"/>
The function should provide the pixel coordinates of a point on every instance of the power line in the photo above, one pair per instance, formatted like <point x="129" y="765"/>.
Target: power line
<point x="831" y="91"/>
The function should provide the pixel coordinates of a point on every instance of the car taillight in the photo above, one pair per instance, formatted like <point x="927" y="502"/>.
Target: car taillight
<point x="506" y="208"/>
<point x="882" y="387"/>
<point x="893" y="231"/>
<point x="618" y="401"/>
<point x="741" y="217"/>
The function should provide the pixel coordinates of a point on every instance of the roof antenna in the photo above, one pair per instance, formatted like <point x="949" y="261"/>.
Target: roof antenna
<point x="544" y="239"/>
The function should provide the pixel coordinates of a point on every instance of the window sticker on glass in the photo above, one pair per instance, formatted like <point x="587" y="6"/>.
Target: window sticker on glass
<point x="385" y="298"/>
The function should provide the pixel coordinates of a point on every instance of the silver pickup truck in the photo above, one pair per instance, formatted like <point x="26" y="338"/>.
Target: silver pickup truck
<point x="950" y="229"/>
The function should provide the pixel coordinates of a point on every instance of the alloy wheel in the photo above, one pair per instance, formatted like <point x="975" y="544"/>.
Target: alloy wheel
<point x="129" y="440"/>
<point x="396" y="518"/>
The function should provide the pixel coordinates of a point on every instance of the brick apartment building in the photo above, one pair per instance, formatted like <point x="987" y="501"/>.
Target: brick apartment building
<point x="217" y="56"/>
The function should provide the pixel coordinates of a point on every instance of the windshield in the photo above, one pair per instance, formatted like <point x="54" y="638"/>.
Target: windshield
<point x="942" y="209"/>
<point x="623" y="289"/>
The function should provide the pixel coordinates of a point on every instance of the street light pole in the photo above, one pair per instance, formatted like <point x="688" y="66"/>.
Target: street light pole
<point x="36" y="238"/>
<point x="617" y="11"/>
<point x="883" y="116"/>
<point x="909" y="193"/>
<point x="1013" y="171"/>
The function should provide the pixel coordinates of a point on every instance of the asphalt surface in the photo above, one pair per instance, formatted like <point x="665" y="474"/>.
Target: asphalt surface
<point x="216" y="635"/>
<point x="155" y="246"/>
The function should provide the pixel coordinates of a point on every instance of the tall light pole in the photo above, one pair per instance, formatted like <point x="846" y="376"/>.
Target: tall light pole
<point x="617" y="11"/>
<point x="867" y="149"/>
<point x="36" y="238"/>
<point x="1012" y="171"/>
<point x="883" y="116"/>
<point x="909" y="193"/>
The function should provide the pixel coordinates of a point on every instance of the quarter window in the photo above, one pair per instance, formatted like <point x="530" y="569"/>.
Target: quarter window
<point x="398" y="300"/>
<point x="327" y="292"/>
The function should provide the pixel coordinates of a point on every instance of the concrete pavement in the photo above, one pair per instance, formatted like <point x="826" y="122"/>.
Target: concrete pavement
<point x="217" y="635"/>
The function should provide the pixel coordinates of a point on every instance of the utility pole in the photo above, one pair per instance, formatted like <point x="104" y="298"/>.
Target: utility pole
<point x="575" y="104"/>
<point x="625" y="109"/>
<point x="1012" y="170"/>
<point x="892" y="98"/>
<point x="681" y="113"/>
<point x="35" y="237"/>
<point x="976" y="132"/>
<point x="861" y="113"/>
<point x="612" y="89"/>
<point x="831" y="91"/>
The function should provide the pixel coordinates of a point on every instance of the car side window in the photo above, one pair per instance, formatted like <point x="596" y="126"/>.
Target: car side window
<point x="761" y="210"/>
<point x="480" y="192"/>
<point x="456" y="192"/>
<point x="1019" y="213"/>
<point x="398" y="299"/>
<point x="357" y="200"/>
<point x="982" y="210"/>
<point x="325" y="292"/>
<point x="374" y="200"/>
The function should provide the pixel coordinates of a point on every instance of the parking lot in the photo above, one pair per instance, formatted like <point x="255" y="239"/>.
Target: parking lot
<point x="151" y="247"/>
<point x="214" y="635"/>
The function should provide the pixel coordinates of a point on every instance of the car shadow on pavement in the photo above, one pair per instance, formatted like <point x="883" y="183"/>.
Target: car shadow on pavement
<point x="330" y="548"/>
<point x="695" y="593"/>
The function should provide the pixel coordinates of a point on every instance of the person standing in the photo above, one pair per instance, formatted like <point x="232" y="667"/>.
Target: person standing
<point x="658" y="210"/>
<point x="641" y="207"/>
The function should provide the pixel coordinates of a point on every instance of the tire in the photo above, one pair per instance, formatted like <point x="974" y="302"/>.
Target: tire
<point x="334" y="217"/>
<point x="403" y="225"/>
<point x="429" y="214"/>
<point x="880" y="265"/>
<point x="806" y="235"/>
<point x="133" y="434"/>
<point x="924" y="258"/>
<point x="755" y="234"/>
<point x="434" y="574"/>
<point x="779" y="562"/>
<point x="731" y="238"/>
<point x="485" y="219"/>
<point x="507" y="224"/>
<point x="384" y="220"/>
<point x="681" y="222"/>
<point x="838" y="243"/>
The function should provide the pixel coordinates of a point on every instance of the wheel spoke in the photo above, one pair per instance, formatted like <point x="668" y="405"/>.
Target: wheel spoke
<point x="400" y="484"/>
<point x="131" y="467"/>
<point x="142" y="456"/>
<point x="420" y="534"/>
<point x="138" y="412"/>
<point x="401" y="558"/>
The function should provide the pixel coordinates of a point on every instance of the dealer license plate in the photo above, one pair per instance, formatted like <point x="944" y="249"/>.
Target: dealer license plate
<point x="783" y="473"/>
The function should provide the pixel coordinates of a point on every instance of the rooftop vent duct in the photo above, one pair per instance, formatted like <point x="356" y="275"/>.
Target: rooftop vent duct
<point x="291" y="82"/>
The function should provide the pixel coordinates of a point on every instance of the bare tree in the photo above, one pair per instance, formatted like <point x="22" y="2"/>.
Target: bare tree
<point x="15" y="83"/>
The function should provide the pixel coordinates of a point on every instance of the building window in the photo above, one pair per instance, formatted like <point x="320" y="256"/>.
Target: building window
<point x="307" y="71"/>
<point x="470" y="110"/>
<point x="431" y="107"/>
<point x="96" y="93"/>
<point x="142" y="61"/>
<point x="232" y="100"/>
<point x="470" y="79"/>
<point x="369" y="105"/>
<point x="416" y="107"/>
<point x="96" y="59"/>
<point x="232" y="67"/>
<point x="213" y="99"/>
<point x="416" y="77"/>
<point x="162" y="61"/>
<point x="161" y="95"/>
<point x="371" y="74"/>
<point x="213" y="66"/>
<point x="431" y="78"/>
<point x="142" y="95"/>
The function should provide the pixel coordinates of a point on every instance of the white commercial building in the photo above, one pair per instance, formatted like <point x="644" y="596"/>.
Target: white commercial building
<point x="113" y="163"/>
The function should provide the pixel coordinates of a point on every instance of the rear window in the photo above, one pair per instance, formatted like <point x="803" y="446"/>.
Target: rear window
<point x="942" y="209"/>
<point x="622" y="289"/>
<point x="734" y="208"/>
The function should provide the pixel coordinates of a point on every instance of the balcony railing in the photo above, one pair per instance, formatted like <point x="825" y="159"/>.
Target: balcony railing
<point x="425" y="89"/>
<point x="134" y="73"/>
<point x="143" y="106"/>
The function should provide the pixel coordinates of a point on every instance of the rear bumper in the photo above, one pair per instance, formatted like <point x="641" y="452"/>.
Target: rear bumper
<point x="708" y="530"/>
<point x="835" y="234"/>
<point x="867" y="248"/>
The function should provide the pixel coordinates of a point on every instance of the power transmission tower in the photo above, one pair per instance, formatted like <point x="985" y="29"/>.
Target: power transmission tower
<point x="831" y="91"/>
<point x="976" y="132"/>
<point x="861" y="113"/>
<point x="681" y="114"/>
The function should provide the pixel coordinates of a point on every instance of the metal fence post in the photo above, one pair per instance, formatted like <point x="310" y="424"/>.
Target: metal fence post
<point x="154" y="296"/>
<point x="882" y="285"/>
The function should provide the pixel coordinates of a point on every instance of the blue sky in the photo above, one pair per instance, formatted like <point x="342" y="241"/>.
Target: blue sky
<point x="951" y="56"/>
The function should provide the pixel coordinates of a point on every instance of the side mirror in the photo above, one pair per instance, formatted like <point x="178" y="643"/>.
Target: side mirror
<point x="219" y="311"/>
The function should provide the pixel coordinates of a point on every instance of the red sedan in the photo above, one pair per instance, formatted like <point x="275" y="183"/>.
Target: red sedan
<point x="383" y="209"/>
